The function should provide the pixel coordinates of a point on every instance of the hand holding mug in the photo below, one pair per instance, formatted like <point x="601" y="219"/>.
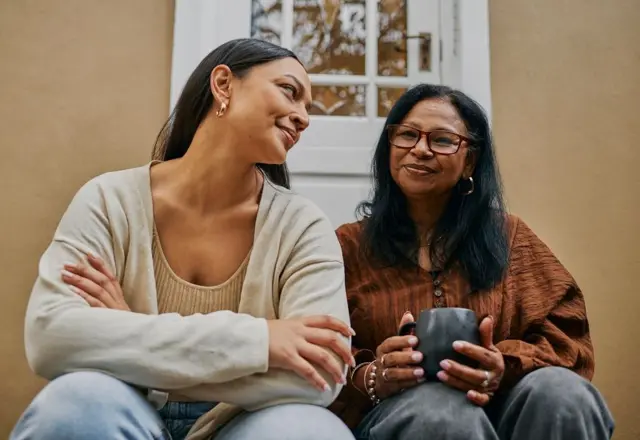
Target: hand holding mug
<point x="395" y="363"/>
<point x="479" y="383"/>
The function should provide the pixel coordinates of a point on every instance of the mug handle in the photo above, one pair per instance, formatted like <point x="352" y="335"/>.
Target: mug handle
<point x="406" y="329"/>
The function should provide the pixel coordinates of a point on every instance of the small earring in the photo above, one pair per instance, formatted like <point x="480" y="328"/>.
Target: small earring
<point x="222" y="110"/>
<point x="472" y="187"/>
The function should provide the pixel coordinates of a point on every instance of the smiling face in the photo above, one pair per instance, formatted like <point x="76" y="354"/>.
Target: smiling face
<point x="419" y="171"/>
<point x="267" y="108"/>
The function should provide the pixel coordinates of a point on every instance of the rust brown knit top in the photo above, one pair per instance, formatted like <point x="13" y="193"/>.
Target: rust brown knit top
<point x="539" y="311"/>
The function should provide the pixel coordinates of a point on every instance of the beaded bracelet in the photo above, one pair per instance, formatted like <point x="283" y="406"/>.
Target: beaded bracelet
<point x="370" y="384"/>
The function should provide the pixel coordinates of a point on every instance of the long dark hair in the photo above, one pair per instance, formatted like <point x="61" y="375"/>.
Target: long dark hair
<point x="471" y="231"/>
<point x="196" y="99"/>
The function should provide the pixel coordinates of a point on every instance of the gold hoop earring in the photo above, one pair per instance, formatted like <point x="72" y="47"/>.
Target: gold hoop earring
<point x="221" y="111"/>
<point x="472" y="187"/>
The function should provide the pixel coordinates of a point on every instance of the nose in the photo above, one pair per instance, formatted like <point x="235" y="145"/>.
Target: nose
<point x="301" y="119"/>
<point x="421" y="149"/>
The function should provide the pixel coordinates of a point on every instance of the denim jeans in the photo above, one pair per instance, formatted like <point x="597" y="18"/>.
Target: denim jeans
<point x="548" y="404"/>
<point x="179" y="417"/>
<point x="94" y="406"/>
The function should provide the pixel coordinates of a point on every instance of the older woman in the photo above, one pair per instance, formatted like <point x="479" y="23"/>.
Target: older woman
<point x="436" y="234"/>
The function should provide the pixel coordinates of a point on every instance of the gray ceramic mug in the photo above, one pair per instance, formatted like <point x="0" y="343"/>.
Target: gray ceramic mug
<point x="437" y="330"/>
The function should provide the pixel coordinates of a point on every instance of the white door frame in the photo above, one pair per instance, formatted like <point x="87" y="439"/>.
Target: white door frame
<point x="465" y="41"/>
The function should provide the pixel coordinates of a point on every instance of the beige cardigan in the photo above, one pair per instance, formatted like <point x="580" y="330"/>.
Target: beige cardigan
<point x="295" y="269"/>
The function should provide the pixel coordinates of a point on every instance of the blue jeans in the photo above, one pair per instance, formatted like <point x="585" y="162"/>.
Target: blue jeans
<point x="95" y="406"/>
<point x="179" y="417"/>
<point x="548" y="404"/>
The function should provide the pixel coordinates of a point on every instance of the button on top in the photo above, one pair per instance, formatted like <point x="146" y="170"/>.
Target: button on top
<point x="438" y="293"/>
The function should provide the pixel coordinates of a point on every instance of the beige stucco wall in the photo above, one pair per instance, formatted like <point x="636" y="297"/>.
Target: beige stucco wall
<point x="566" y="99"/>
<point x="84" y="88"/>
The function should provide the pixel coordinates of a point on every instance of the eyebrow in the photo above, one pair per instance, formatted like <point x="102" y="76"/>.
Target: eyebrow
<point x="438" y="127"/>
<point x="300" y="86"/>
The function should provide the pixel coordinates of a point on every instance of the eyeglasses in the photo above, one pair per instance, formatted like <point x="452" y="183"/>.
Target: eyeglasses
<point x="438" y="141"/>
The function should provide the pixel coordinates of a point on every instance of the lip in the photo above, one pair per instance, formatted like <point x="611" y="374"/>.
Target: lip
<point x="421" y="170"/>
<point x="290" y="136"/>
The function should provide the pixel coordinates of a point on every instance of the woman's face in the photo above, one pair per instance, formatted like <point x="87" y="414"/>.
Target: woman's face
<point x="267" y="109"/>
<point x="418" y="171"/>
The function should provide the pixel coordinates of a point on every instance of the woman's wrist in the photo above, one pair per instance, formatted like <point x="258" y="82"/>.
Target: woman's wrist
<point x="363" y="358"/>
<point x="370" y="380"/>
<point x="358" y="377"/>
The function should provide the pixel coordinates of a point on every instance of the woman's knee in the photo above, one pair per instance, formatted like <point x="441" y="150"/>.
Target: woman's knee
<point x="563" y="389"/>
<point x="577" y="404"/>
<point x="287" y="422"/>
<point x="79" y="405"/>
<point x="431" y="410"/>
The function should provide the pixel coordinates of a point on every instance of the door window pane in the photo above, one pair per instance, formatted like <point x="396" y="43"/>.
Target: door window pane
<point x="387" y="96"/>
<point x="329" y="35"/>
<point x="266" y="20"/>
<point x="392" y="46"/>
<point x="338" y="100"/>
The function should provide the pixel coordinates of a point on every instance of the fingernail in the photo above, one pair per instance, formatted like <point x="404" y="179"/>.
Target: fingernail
<point x="326" y="387"/>
<point x="413" y="340"/>
<point x="458" y="345"/>
<point x="472" y="394"/>
<point x="352" y="331"/>
<point x="418" y="372"/>
<point x="406" y="313"/>
<point x="67" y="274"/>
<point x="445" y="364"/>
<point x="343" y="380"/>
<point x="353" y="362"/>
<point x="442" y="375"/>
<point x="417" y="356"/>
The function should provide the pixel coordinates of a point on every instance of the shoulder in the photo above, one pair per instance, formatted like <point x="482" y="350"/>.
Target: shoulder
<point x="120" y="182"/>
<point x="512" y="222"/>
<point x="520" y="234"/>
<point x="290" y="207"/>
<point x="349" y="230"/>
<point x="300" y="221"/>
<point x="115" y="184"/>
<point x="349" y="236"/>
<point x="531" y="256"/>
<point x="349" y="233"/>
<point x="109" y="199"/>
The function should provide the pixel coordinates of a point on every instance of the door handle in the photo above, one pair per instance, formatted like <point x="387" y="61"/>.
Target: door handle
<point x="424" y="49"/>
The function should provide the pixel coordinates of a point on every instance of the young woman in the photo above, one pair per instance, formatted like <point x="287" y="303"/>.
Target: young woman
<point x="436" y="234"/>
<point x="197" y="285"/>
